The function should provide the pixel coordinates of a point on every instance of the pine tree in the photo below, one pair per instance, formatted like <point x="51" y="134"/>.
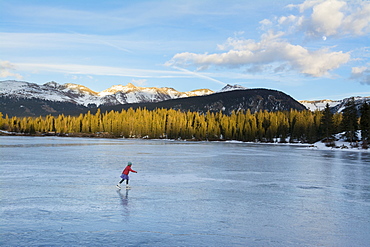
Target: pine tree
<point x="297" y="123"/>
<point x="31" y="126"/>
<point x="350" y="121"/>
<point x="1" y="121"/>
<point x="315" y="127"/>
<point x="327" y="124"/>
<point x="274" y="126"/>
<point x="50" y="123"/>
<point x="365" y="124"/>
<point x="262" y="122"/>
<point x="6" y="123"/>
<point x="253" y="127"/>
<point x="283" y="128"/>
<point x="337" y="122"/>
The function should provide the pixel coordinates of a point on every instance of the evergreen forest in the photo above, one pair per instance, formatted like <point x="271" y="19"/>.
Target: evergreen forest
<point x="263" y="126"/>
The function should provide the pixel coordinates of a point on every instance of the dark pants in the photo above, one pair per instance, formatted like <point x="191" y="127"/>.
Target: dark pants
<point x="123" y="180"/>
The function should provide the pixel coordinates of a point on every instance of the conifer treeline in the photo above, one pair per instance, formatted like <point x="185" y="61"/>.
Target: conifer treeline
<point x="303" y="126"/>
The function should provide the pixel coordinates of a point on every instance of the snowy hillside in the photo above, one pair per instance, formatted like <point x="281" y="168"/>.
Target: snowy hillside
<point x="119" y="94"/>
<point x="79" y="94"/>
<point x="358" y="102"/>
<point x="335" y="105"/>
<point x="319" y="104"/>
<point x="23" y="89"/>
<point x="133" y="94"/>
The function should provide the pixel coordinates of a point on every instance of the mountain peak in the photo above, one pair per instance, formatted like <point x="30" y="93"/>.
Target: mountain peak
<point x="52" y="84"/>
<point x="130" y="85"/>
<point x="117" y="88"/>
<point x="79" y="88"/>
<point x="229" y="87"/>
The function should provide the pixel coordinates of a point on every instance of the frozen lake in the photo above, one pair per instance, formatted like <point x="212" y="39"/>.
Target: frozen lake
<point x="61" y="191"/>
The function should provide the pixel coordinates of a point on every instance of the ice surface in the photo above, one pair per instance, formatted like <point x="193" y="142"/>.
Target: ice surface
<point x="61" y="191"/>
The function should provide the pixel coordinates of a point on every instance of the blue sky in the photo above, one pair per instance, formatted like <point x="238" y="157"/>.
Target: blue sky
<point x="313" y="49"/>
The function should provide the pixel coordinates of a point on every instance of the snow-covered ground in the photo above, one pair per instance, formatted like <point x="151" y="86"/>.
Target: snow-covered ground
<point x="341" y="144"/>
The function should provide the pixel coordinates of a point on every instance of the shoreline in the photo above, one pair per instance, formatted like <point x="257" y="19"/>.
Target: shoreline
<point x="339" y="145"/>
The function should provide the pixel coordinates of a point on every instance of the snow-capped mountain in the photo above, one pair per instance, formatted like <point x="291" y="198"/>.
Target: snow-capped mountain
<point x="21" y="89"/>
<point x="227" y="102"/>
<point x="319" y="104"/>
<point x="335" y="105"/>
<point x="133" y="94"/>
<point x="229" y="87"/>
<point x="19" y="98"/>
<point x="82" y="95"/>
<point x="359" y="101"/>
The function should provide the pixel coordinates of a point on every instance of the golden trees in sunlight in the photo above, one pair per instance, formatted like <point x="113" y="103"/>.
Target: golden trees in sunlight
<point x="263" y="126"/>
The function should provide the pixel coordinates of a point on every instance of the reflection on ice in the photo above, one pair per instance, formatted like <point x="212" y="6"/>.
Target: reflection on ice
<point x="159" y="179"/>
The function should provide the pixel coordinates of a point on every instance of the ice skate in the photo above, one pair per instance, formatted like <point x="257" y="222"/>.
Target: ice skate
<point x="118" y="186"/>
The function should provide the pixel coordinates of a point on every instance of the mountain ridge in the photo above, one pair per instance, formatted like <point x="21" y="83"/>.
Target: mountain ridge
<point x="49" y="98"/>
<point x="79" y="94"/>
<point x="335" y="105"/>
<point x="225" y="102"/>
<point x="30" y="99"/>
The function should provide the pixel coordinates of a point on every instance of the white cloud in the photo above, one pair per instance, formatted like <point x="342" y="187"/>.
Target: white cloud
<point x="362" y="74"/>
<point x="291" y="19"/>
<point x="80" y="69"/>
<point x="331" y="18"/>
<point x="5" y="70"/>
<point x="359" y="21"/>
<point x="305" y="5"/>
<point x="272" y="51"/>
<point x="266" y="22"/>
<point x="327" y="17"/>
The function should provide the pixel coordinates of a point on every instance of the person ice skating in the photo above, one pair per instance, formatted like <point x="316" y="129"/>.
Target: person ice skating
<point x="125" y="176"/>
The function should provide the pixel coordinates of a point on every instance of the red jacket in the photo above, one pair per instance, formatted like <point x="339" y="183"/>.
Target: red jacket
<point x="127" y="170"/>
